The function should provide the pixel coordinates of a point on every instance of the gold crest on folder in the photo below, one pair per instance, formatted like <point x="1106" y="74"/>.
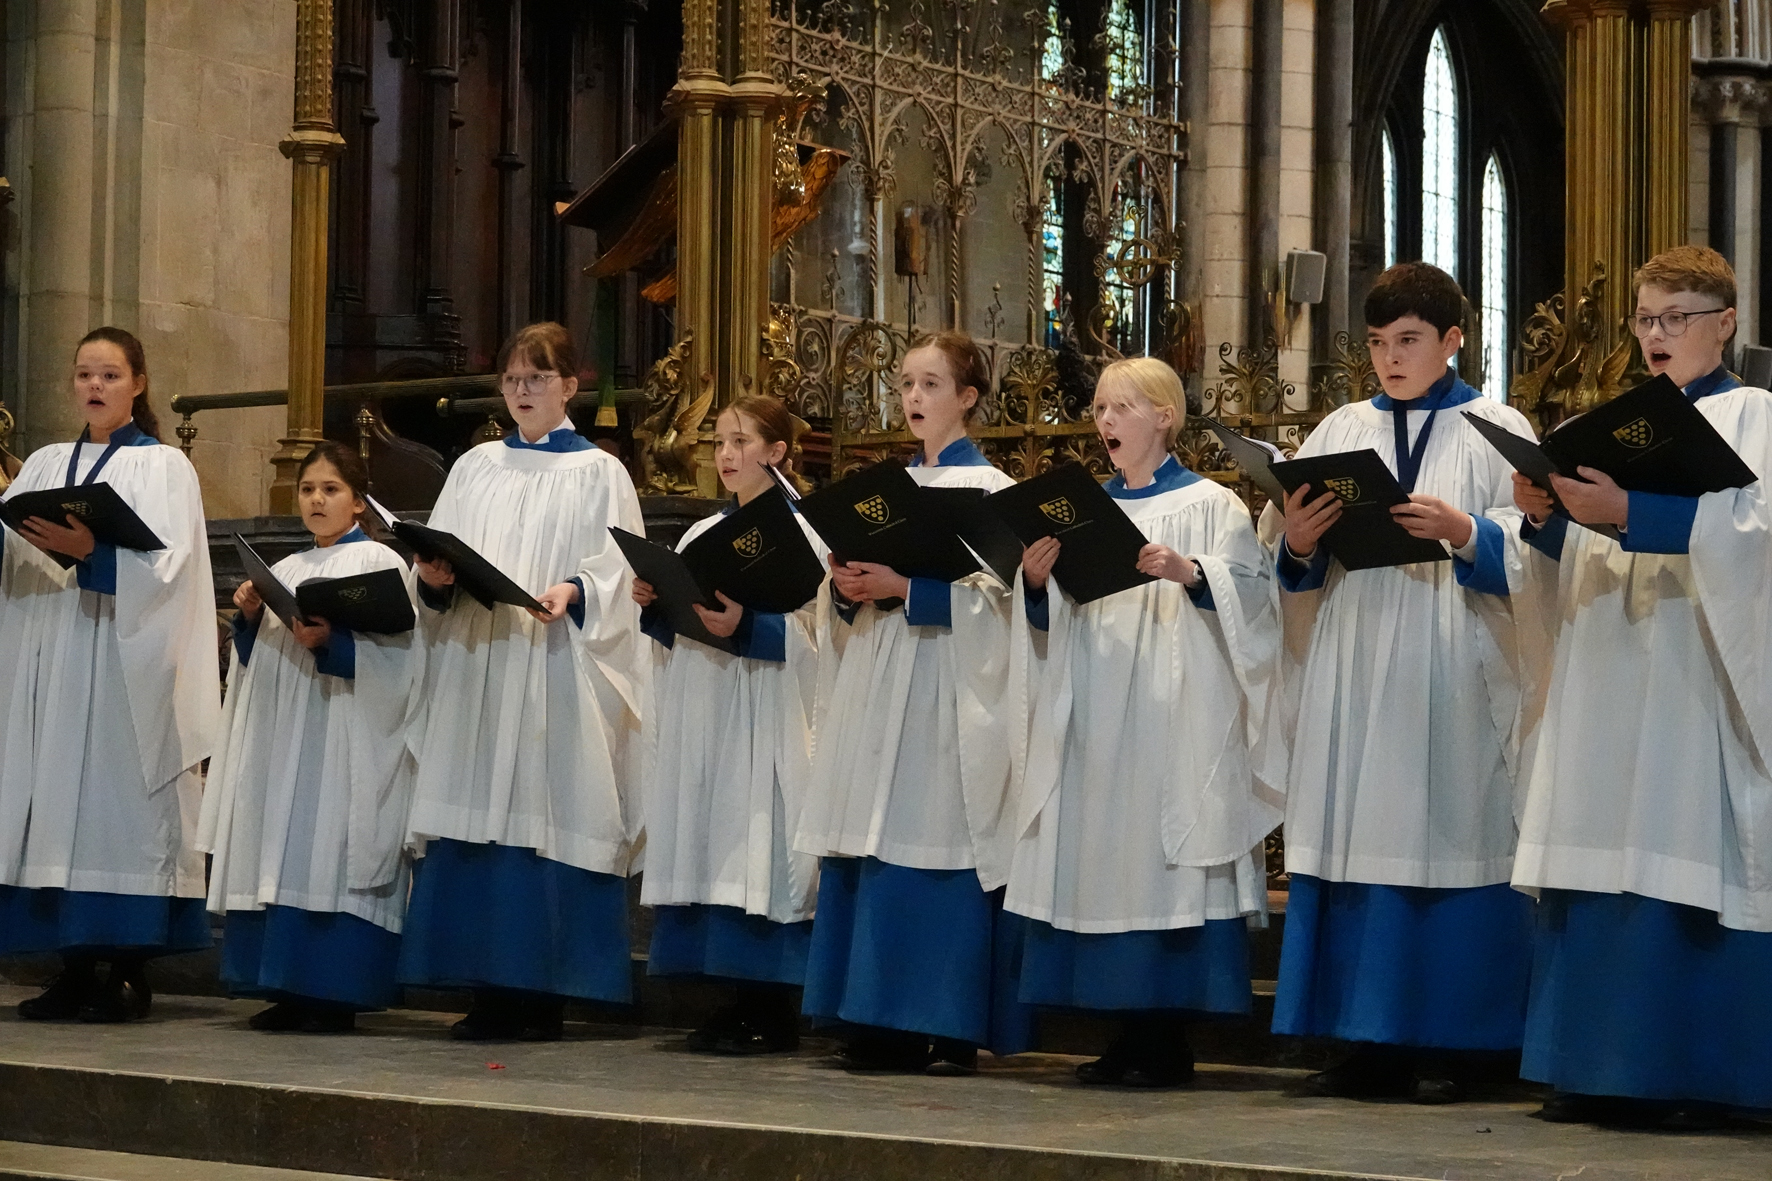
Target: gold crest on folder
<point x="78" y="507"/>
<point x="749" y="545"/>
<point x="874" y="510"/>
<point x="1348" y="490"/>
<point x="1060" y="511"/>
<point x="1638" y="434"/>
<point x="354" y="594"/>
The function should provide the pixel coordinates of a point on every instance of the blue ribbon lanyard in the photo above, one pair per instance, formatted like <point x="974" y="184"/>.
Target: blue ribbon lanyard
<point x="104" y="458"/>
<point x="1409" y="458"/>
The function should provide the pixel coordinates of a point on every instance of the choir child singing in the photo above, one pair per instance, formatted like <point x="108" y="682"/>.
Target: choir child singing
<point x="525" y="803"/>
<point x="1139" y="814"/>
<point x="730" y="742"/>
<point x="1648" y="818"/>
<point x="111" y="700"/>
<point x="1402" y="934"/>
<point x="912" y="949"/>
<point x="305" y="806"/>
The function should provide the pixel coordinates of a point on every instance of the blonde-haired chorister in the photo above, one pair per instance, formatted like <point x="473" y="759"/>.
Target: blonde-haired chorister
<point x="306" y="800"/>
<point x="528" y="744"/>
<point x="111" y="700"/>
<point x="910" y="781"/>
<point x="729" y="747"/>
<point x="1647" y="824"/>
<point x="1138" y="810"/>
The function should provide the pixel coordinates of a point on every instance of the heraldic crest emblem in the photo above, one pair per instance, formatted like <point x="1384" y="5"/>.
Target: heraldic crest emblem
<point x="1060" y="510"/>
<point x="1638" y="434"/>
<point x="1343" y="487"/>
<point x="749" y="545"/>
<point x="874" y="510"/>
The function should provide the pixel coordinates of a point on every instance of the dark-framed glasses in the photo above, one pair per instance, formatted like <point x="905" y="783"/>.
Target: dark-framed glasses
<point x="1672" y="323"/>
<point x="535" y="383"/>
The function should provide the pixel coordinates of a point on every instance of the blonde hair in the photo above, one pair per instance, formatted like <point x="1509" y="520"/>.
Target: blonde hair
<point x="1698" y="269"/>
<point x="1157" y="382"/>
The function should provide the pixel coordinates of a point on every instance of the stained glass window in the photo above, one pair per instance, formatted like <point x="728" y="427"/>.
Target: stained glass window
<point x="1125" y="54"/>
<point x="1439" y="159"/>
<point x="1497" y="325"/>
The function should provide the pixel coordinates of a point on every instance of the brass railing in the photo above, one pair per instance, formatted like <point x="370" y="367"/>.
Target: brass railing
<point x="442" y="388"/>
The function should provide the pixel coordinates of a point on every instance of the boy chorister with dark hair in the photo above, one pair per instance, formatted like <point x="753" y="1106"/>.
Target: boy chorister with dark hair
<point x="1402" y="933"/>
<point x="1647" y="825"/>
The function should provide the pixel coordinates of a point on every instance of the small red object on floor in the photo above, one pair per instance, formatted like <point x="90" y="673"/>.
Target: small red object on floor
<point x="495" y="1066"/>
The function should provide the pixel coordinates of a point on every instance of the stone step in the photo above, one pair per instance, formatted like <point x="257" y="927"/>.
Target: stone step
<point x="401" y="1101"/>
<point x="54" y="1162"/>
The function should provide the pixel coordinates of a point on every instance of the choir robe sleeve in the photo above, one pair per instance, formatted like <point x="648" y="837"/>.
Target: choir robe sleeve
<point x="1731" y="560"/>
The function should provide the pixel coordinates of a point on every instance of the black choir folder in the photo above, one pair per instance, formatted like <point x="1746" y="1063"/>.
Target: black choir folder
<point x="97" y="506"/>
<point x="1648" y="439"/>
<point x="882" y="515"/>
<point x="375" y="601"/>
<point x="758" y="557"/>
<point x="1254" y="458"/>
<point x="1097" y="542"/>
<point x="473" y="573"/>
<point x="1365" y="536"/>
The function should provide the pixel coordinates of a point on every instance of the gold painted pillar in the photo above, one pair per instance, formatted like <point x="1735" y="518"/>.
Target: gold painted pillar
<point x="697" y="98"/>
<point x="755" y="99"/>
<point x="311" y="146"/>
<point x="1668" y="81"/>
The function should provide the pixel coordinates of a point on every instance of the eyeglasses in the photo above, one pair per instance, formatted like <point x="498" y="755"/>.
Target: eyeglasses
<point x="1672" y="323"/>
<point x="535" y="383"/>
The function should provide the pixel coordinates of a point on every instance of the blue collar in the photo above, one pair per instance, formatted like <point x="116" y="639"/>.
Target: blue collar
<point x="1717" y="381"/>
<point x="1448" y="391"/>
<point x="1170" y="476"/>
<point x="962" y="452"/>
<point x="560" y="439"/>
<point x="354" y="533"/>
<point x="127" y="435"/>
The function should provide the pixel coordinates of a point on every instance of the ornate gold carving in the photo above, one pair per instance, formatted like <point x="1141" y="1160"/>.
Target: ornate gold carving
<point x="1565" y="371"/>
<point x="1249" y="382"/>
<point x="666" y="438"/>
<point x="1347" y="377"/>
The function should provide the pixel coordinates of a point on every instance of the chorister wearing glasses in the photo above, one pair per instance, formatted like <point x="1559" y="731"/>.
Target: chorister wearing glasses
<point x="1672" y="323"/>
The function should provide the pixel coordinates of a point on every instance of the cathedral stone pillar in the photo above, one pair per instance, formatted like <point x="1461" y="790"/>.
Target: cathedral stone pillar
<point x="1733" y="108"/>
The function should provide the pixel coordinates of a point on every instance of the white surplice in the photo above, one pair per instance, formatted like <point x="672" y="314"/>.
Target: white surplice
<point x="730" y="762"/>
<point x="528" y="733"/>
<point x="110" y="701"/>
<point x="1137" y="803"/>
<point x="311" y="782"/>
<point x="1406" y="711"/>
<point x="912" y="758"/>
<point x="1650" y="772"/>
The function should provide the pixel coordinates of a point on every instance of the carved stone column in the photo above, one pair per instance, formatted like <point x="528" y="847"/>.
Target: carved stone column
<point x="1735" y="107"/>
<point x="437" y="150"/>
<point x="311" y="146"/>
<point x="755" y="98"/>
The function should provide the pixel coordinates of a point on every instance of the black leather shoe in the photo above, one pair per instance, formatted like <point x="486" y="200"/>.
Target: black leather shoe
<point x="1436" y="1091"/>
<point x="1155" y="1074"/>
<point x="706" y="1039"/>
<point x="1567" y="1107"/>
<point x="952" y="1059"/>
<point x="543" y="1020"/>
<point x="1370" y="1072"/>
<point x="328" y="1019"/>
<point x="886" y="1049"/>
<point x="1695" y="1117"/>
<point x="745" y="1038"/>
<point x="66" y="995"/>
<point x="281" y="1017"/>
<point x="1105" y="1071"/>
<point x="487" y="1021"/>
<point x="124" y="996"/>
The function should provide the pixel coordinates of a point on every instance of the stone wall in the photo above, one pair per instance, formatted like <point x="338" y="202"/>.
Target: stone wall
<point x="141" y="137"/>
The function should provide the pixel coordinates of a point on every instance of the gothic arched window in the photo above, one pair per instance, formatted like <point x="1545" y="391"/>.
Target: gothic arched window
<point x="1439" y="159"/>
<point x="1390" y="200"/>
<point x="1497" y="325"/>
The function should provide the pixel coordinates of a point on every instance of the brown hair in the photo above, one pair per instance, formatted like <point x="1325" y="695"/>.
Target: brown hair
<point x="777" y="424"/>
<point x="546" y="345"/>
<point x="965" y="362"/>
<point x="1416" y="289"/>
<point x="349" y="465"/>
<point x="142" y="413"/>
<point x="1697" y="269"/>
